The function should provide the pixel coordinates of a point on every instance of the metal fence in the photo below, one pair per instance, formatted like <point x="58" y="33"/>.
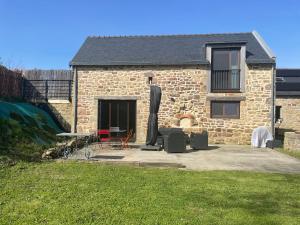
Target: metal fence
<point x="42" y="85"/>
<point x="43" y="90"/>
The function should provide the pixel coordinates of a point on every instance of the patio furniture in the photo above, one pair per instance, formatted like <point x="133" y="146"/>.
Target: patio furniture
<point x="260" y="136"/>
<point x="163" y="132"/>
<point x="152" y="128"/>
<point x="117" y="131"/>
<point x="105" y="133"/>
<point x="199" y="140"/>
<point x="67" y="151"/>
<point x="167" y="130"/>
<point x="105" y="136"/>
<point x="126" y="139"/>
<point x="175" y="142"/>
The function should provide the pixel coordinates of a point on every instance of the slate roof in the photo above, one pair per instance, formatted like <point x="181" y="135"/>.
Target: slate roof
<point x="162" y="49"/>
<point x="288" y="82"/>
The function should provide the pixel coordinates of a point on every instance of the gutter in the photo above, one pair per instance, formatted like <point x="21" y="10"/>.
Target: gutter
<point x="75" y="92"/>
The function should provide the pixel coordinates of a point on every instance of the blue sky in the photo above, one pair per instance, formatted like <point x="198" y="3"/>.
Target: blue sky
<point x="47" y="33"/>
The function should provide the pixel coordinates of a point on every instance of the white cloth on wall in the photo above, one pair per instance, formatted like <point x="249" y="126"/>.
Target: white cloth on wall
<point x="260" y="136"/>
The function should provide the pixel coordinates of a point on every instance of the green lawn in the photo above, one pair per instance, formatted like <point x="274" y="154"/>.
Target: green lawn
<point x="91" y="193"/>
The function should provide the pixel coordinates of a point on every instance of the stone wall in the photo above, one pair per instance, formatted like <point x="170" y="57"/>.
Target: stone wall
<point x="62" y="110"/>
<point x="292" y="141"/>
<point x="184" y="101"/>
<point x="290" y="112"/>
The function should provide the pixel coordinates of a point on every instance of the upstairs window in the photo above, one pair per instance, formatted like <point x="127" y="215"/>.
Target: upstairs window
<point x="225" y="70"/>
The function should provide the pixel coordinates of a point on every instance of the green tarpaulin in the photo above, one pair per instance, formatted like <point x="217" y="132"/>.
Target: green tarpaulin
<point x="28" y="115"/>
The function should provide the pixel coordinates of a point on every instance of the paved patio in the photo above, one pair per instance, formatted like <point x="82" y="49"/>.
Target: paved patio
<point x="218" y="157"/>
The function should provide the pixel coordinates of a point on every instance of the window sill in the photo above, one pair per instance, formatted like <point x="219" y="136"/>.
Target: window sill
<point x="226" y="117"/>
<point x="226" y="98"/>
<point x="226" y="91"/>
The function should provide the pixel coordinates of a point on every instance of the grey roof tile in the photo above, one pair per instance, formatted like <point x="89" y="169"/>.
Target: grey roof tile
<point x="290" y="83"/>
<point x="161" y="50"/>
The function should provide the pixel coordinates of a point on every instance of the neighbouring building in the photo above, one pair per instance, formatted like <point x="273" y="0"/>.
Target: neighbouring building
<point x="287" y="100"/>
<point x="221" y="83"/>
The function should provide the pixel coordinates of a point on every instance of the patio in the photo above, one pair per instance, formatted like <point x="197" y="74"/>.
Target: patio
<point x="218" y="157"/>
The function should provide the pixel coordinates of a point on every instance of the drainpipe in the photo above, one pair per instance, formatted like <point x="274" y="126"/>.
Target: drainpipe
<point x="273" y="98"/>
<point x="74" y="125"/>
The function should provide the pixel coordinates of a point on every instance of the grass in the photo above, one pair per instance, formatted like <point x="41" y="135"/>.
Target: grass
<point x="86" y="193"/>
<point x="295" y="154"/>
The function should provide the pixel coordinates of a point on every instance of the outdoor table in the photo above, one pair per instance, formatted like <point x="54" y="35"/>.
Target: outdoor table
<point x="76" y="135"/>
<point x="117" y="132"/>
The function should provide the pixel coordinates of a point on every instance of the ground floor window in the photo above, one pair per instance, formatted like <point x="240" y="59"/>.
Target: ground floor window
<point x="225" y="109"/>
<point x="117" y="113"/>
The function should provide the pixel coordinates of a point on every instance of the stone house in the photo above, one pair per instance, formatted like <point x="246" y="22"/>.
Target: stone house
<point x="221" y="83"/>
<point x="287" y="100"/>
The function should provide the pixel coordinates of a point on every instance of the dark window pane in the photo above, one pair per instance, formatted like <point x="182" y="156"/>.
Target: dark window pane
<point x="123" y="115"/>
<point x="234" y="59"/>
<point x="217" y="108"/>
<point x="220" y="59"/>
<point x="104" y="112"/>
<point x="114" y="114"/>
<point x="235" y="79"/>
<point x="132" y="116"/>
<point x="230" y="109"/>
<point x="220" y="109"/>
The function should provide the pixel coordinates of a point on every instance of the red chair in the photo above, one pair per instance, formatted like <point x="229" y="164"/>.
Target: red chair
<point x="106" y="135"/>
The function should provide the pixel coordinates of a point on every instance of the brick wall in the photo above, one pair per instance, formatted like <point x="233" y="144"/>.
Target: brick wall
<point x="184" y="93"/>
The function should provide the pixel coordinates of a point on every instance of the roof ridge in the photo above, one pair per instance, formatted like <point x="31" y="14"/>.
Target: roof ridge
<point x="166" y="35"/>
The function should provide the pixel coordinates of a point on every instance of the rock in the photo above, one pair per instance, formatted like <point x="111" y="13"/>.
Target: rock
<point x="48" y="153"/>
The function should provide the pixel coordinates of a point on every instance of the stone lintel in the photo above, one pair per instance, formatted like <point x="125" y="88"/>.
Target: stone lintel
<point x="117" y="98"/>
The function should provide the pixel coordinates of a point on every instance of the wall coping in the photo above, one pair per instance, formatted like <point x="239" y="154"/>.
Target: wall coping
<point x="58" y="101"/>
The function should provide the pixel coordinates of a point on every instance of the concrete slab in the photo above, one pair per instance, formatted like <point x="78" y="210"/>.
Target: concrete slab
<point x="219" y="157"/>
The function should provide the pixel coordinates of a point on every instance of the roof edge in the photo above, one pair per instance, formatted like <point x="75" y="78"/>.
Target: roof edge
<point x="263" y="44"/>
<point x="140" y="64"/>
<point x="165" y="35"/>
